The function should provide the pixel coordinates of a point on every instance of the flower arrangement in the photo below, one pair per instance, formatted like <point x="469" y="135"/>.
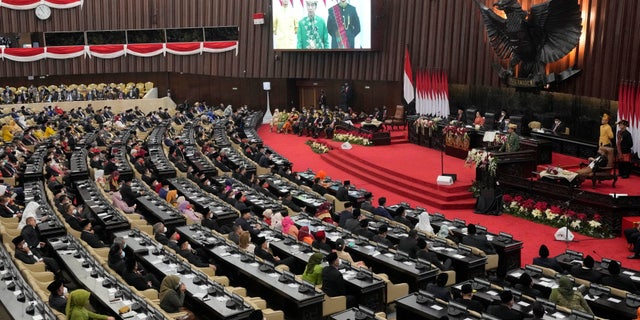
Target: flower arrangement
<point x="318" y="147"/>
<point x="363" y="139"/>
<point x="553" y="215"/>
<point x="483" y="160"/>
<point x="426" y="123"/>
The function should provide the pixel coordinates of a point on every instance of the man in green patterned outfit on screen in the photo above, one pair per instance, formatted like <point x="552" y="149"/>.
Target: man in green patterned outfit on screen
<point x="312" y="30"/>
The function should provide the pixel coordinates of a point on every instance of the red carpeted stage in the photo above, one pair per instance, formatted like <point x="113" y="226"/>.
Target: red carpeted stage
<point x="405" y="172"/>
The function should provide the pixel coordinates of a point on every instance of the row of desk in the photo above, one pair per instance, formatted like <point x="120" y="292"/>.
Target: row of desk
<point x="258" y="201"/>
<point x="202" y="293"/>
<point x="18" y="298"/>
<point x="377" y="257"/>
<point x="281" y="187"/>
<point x="52" y="226"/>
<point x="100" y="208"/>
<point x="507" y="248"/>
<point x="155" y="208"/>
<point x="258" y="278"/>
<point x="106" y="290"/>
<point x="202" y="201"/>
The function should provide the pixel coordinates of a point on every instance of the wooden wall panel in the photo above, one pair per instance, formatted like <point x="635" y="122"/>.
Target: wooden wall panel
<point x="441" y="34"/>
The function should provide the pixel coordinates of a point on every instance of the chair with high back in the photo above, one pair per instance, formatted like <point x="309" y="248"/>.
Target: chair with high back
<point x="148" y="85"/>
<point x="151" y="294"/>
<point x="398" y="118"/>
<point x="605" y="173"/>
<point x="394" y="291"/>
<point x="332" y="305"/>
<point x="535" y="125"/>
<point x="338" y="206"/>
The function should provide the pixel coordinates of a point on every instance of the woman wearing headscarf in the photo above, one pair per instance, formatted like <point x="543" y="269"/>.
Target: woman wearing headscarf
<point x="186" y="209"/>
<point x="313" y="271"/>
<point x="266" y="216"/>
<point x="76" y="310"/>
<point x="305" y="236"/>
<point x="424" y="223"/>
<point x="324" y="214"/>
<point x="565" y="296"/>
<point x="114" y="181"/>
<point x="288" y="227"/>
<point x="276" y="221"/>
<point x="172" y="295"/>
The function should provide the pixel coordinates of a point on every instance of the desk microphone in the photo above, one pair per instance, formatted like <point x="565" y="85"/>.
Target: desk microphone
<point x="599" y="256"/>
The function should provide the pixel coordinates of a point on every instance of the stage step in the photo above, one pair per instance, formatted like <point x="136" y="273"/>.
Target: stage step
<point x="427" y="192"/>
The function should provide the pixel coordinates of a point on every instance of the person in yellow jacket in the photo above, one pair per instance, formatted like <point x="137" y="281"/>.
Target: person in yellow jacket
<point x="49" y="131"/>
<point x="7" y="134"/>
<point x="606" y="133"/>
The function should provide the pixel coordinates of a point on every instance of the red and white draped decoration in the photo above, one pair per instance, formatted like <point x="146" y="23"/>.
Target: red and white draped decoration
<point x="111" y="51"/>
<point x="31" y="4"/>
<point x="629" y="109"/>
<point x="432" y="93"/>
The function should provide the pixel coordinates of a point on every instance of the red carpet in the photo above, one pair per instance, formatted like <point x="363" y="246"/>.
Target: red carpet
<point x="419" y="166"/>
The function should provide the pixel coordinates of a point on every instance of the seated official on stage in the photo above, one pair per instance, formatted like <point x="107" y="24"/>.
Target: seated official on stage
<point x="558" y="126"/>
<point x="594" y="163"/>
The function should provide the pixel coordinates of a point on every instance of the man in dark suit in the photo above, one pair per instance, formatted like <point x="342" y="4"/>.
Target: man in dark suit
<point x="288" y="201"/>
<point x="333" y="283"/>
<point x="128" y="195"/>
<point x="616" y="280"/>
<point x="343" y="25"/>
<point x="262" y="251"/>
<point x="363" y="229"/>
<point x="346" y="214"/>
<point x="188" y="253"/>
<point x="585" y="271"/>
<point x="173" y="241"/>
<point x="234" y="235"/>
<point x="343" y="191"/>
<point x="558" y="126"/>
<point x="503" y="310"/>
<point x="544" y="261"/>
<point x="381" y="210"/>
<point x="159" y="231"/>
<point x="58" y="297"/>
<point x="424" y="254"/>
<point x="477" y="240"/>
<point x="366" y="204"/>
<point x="401" y="216"/>
<point x="409" y="244"/>
<point x="31" y="235"/>
<point x="317" y="187"/>
<point x="466" y="299"/>
<point x="244" y="221"/>
<point x="439" y="289"/>
<point x="88" y="236"/>
<point x="381" y="237"/>
<point x="24" y="254"/>
<point x="525" y="285"/>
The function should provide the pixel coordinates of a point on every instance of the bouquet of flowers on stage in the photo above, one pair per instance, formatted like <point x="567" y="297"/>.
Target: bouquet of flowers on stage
<point x="456" y="137"/>
<point x="426" y="123"/>
<point x="482" y="159"/>
<point x="318" y="147"/>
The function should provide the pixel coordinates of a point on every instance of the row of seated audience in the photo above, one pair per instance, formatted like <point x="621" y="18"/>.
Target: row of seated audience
<point x="242" y="227"/>
<point x="73" y="92"/>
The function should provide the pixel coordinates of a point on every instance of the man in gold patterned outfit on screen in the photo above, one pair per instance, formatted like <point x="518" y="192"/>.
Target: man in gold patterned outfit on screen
<point x="285" y="27"/>
<point x="343" y="25"/>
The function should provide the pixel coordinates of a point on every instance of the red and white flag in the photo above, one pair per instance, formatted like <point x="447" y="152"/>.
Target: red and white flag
<point x="408" y="89"/>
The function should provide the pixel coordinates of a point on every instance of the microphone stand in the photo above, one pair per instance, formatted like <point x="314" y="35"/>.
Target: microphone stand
<point x="566" y="226"/>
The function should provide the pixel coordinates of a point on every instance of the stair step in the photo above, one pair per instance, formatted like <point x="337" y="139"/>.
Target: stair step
<point x="421" y="193"/>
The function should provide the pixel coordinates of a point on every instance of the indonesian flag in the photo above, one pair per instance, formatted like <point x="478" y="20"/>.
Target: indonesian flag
<point x="409" y="93"/>
<point x="258" y="18"/>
